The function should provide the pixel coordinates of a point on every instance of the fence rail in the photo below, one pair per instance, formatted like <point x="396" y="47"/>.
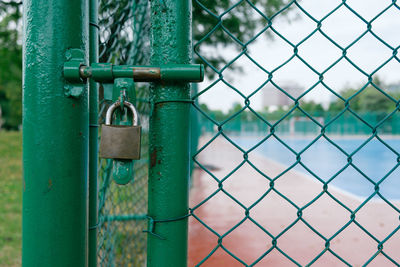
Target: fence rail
<point x="302" y="125"/>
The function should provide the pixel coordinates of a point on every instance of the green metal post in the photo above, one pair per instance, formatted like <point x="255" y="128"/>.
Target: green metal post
<point x="169" y="137"/>
<point x="55" y="137"/>
<point x="93" y="134"/>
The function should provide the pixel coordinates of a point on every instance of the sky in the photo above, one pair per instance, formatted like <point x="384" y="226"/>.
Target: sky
<point x="342" y="26"/>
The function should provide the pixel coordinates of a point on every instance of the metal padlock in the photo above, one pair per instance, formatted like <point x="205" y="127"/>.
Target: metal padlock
<point x="120" y="141"/>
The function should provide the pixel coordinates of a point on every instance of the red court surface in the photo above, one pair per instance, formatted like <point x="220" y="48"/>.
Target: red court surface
<point x="248" y="242"/>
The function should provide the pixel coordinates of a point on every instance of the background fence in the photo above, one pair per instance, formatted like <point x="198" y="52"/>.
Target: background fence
<point x="345" y="125"/>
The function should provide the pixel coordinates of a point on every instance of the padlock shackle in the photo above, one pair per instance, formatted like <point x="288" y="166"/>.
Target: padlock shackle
<point x="117" y="104"/>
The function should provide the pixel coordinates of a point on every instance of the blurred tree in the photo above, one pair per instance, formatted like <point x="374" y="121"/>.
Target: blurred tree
<point x="338" y="105"/>
<point x="275" y="115"/>
<point x="204" y="107"/>
<point x="236" y="107"/>
<point x="373" y="100"/>
<point x="217" y="115"/>
<point x="242" y="21"/>
<point x="368" y="100"/>
<point x="10" y="63"/>
<point x="312" y="108"/>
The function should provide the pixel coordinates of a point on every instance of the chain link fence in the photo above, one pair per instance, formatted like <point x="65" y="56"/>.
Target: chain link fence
<point x="224" y="16"/>
<point x="124" y="39"/>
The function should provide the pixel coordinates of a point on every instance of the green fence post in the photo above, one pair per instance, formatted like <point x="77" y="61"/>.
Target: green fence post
<point x="55" y="137"/>
<point x="93" y="134"/>
<point x="169" y="137"/>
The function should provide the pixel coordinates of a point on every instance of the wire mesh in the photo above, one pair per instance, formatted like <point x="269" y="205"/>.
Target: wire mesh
<point x="124" y="39"/>
<point x="372" y="126"/>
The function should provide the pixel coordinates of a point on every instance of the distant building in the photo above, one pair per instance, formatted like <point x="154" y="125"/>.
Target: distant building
<point x="274" y="98"/>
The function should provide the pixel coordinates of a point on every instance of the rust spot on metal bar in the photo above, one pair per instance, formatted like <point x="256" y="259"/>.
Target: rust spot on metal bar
<point x="145" y="74"/>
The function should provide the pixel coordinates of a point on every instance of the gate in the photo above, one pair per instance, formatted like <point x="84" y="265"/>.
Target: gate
<point x="122" y="209"/>
<point x="245" y="208"/>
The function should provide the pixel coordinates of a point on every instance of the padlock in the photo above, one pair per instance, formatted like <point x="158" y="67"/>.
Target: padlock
<point x="120" y="141"/>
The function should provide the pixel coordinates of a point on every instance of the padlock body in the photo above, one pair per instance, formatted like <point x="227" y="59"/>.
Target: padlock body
<point x="120" y="142"/>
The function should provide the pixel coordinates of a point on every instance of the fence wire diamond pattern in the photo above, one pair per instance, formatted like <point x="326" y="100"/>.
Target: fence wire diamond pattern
<point x="221" y="15"/>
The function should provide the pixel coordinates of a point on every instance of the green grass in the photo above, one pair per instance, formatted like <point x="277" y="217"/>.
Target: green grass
<point x="10" y="198"/>
<point x="11" y="202"/>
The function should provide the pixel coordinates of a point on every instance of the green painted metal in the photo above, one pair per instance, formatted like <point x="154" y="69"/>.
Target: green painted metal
<point x="74" y="87"/>
<point x="93" y="134"/>
<point x="169" y="137"/>
<point x="105" y="72"/>
<point x="55" y="137"/>
<point x="73" y="62"/>
<point x="123" y="90"/>
<point x="184" y="73"/>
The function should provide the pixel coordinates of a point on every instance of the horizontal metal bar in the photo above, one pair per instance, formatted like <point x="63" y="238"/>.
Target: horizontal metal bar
<point x="105" y="72"/>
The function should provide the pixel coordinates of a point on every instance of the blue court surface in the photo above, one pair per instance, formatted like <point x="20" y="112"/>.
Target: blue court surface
<point x="374" y="160"/>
